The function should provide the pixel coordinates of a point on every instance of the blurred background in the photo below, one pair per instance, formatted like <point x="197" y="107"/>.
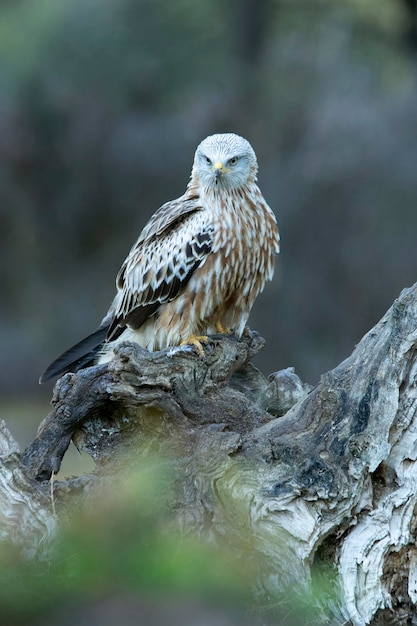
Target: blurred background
<point x="102" y="104"/>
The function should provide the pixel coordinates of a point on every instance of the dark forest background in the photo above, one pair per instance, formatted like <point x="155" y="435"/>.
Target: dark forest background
<point x="102" y="103"/>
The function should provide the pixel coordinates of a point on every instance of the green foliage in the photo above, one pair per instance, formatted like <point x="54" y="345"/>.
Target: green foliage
<point x="121" y="542"/>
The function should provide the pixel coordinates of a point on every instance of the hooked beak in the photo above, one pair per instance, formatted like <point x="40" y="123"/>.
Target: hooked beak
<point x="218" y="170"/>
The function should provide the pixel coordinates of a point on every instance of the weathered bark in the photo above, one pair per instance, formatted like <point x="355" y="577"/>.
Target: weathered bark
<point x="26" y="519"/>
<point x="329" y="483"/>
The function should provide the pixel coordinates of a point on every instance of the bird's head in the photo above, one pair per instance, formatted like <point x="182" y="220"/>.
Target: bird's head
<point x="225" y="160"/>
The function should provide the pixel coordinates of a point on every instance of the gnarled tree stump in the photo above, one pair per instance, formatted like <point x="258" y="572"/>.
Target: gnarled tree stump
<point x="302" y="476"/>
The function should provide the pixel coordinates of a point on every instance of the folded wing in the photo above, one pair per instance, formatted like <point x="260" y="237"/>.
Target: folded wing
<point x="175" y="242"/>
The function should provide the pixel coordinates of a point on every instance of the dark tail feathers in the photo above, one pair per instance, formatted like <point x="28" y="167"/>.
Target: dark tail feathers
<point x="79" y="356"/>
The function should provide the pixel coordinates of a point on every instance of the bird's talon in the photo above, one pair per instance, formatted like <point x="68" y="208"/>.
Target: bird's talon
<point x="195" y="340"/>
<point x="221" y="330"/>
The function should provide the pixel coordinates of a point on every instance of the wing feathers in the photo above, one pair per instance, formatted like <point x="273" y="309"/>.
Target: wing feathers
<point x="158" y="268"/>
<point x="171" y="247"/>
<point x="76" y="357"/>
<point x="167" y="215"/>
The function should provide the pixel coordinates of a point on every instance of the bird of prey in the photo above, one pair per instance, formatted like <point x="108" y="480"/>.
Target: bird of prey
<point x="197" y="266"/>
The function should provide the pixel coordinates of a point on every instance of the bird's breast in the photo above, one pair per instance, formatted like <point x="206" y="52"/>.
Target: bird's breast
<point x="247" y="239"/>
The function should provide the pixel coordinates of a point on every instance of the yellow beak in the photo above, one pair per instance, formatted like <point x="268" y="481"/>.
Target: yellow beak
<point x="218" y="169"/>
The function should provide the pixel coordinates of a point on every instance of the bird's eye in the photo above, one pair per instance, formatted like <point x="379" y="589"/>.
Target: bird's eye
<point x="232" y="161"/>
<point x="208" y="161"/>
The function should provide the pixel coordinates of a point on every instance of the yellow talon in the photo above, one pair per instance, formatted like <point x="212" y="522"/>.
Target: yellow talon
<point x="221" y="330"/>
<point x="195" y="340"/>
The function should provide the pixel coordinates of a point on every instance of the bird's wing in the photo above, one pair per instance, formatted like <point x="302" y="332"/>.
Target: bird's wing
<point x="168" y="215"/>
<point x="170" y="248"/>
<point x="172" y="245"/>
<point x="82" y="354"/>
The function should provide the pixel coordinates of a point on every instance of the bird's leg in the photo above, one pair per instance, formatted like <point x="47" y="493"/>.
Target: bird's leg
<point x="195" y="340"/>
<point x="221" y="330"/>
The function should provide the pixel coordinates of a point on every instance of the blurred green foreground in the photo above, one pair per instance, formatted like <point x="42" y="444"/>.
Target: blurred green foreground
<point x="120" y="560"/>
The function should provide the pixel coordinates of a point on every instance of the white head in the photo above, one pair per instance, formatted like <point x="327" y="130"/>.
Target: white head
<point x="226" y="160"/>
